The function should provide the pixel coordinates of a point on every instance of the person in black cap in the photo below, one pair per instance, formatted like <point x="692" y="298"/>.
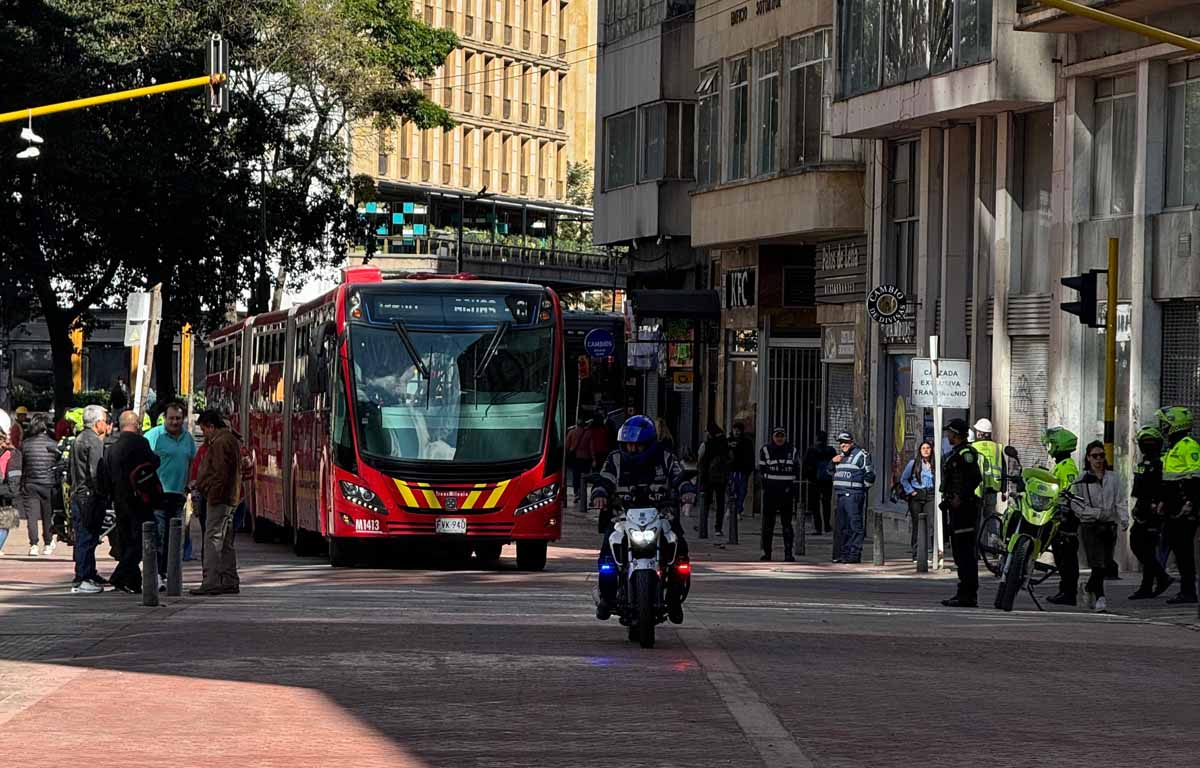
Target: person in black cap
<point x="853" y="476"/>
<point x="780" y="469"/>
<point x="961" y="475"/>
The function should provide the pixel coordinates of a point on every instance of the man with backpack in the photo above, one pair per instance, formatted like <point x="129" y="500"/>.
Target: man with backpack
<point x="129" y="477"/>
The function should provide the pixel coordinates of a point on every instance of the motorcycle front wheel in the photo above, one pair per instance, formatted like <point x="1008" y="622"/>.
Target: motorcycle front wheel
<point x="1019" y="564"/>
<point x="645" y="589"/>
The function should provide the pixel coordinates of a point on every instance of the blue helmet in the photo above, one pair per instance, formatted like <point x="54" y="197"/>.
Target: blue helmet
<point x="638" y="429"/>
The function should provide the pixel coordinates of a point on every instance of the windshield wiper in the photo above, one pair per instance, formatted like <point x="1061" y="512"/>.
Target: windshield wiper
<point x="406" y="339"/>
<point x="492" y="349"/>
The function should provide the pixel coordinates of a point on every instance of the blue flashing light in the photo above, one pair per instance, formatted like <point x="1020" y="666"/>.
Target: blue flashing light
<point x="608" y="568"/>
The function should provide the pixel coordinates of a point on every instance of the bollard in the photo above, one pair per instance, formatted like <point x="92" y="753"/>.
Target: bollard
<point x="175" y="558"/>
<point x="922" y="541"/>
<point x="877" y="534"/>
<point x="149" y="563"/>
<point x="732" y="527"/>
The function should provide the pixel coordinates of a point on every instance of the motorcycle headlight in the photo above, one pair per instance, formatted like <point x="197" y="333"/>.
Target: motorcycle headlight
<point x="542" y="497"/>
<point x="363" y="497"/>
<point x="642" y="538"/>
<point x="1039" y="502"/>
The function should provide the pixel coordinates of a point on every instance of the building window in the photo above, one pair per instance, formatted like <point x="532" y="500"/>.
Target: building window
<point x="1183" y="134"/>
<point x="1113" y="134"/>
<point x="766" y="100"/>
<point x="620" y="157"/>
<point x="904" y="184"/>
<point x="668" y="130"/>
<point x="809" y="61"/>
<point x="799" y="286"/>
<point x="919" y="37"/>
<point x="654" y="138"/>
<point x="739" y="118"/>
<point x="708" y="134"/>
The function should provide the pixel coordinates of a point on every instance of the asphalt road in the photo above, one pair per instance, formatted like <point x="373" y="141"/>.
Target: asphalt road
<point x="776" y="665"/>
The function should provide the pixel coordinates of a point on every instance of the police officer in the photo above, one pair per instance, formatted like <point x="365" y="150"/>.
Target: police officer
<point x="961" y="477"/>
<point x="1147" y="514"/>
<point x="1181" y="495"/>
<point x="779" y="466"/>
<point x="640" y="460"/>
<point x="853" y="474"/>
<point x="1060" y="443"/>
<point x="991" y="464"/>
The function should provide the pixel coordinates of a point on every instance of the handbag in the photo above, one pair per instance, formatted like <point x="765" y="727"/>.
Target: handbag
<point x="9" y="517"/>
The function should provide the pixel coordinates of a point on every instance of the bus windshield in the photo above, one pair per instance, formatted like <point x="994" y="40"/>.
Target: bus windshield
<point x="474" y="396"/>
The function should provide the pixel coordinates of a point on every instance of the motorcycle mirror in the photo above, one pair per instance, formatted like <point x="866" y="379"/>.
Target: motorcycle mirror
<point x="1011" y="452"/>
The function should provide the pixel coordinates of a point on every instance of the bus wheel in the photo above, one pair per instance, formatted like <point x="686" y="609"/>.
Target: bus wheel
<point x="342" y="553"/>
<point x="488" y="554"/>
<point x="531" y="555"/>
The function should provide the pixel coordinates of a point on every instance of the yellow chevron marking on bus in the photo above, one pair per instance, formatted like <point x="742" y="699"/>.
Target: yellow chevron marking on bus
<point x="494" y="499"/>
<point x="471" y="499"/>
<point x="432" y="498"/>
<point x="406" y="494"/>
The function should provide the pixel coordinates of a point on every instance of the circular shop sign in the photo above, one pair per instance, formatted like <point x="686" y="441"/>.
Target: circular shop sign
<point x="886" y="304"/>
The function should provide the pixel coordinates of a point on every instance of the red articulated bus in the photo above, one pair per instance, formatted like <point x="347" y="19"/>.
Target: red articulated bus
<point x="422" y="408"/>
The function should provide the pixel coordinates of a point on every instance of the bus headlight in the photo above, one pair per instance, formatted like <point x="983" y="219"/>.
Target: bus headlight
<point x="542" y="497"/>
<point x="363" y="497"/>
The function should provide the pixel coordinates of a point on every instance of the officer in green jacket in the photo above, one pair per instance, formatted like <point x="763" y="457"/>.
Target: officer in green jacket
<point x="1060" y="443"/>
<point x="1181" y="495"/>
<point x="991" y="464"/>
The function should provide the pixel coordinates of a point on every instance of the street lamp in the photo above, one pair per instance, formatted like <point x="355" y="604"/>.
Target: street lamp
<point x="462" y="214"/>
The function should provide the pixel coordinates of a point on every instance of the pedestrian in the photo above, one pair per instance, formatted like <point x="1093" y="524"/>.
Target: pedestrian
<point x="599" y="444"/>
<point x="991" y="464"/>
<point x="819" y="474"/>
<point x="665" y="438"/>
<point x="578" y="459"/>
<point x="175" y="449"/>
<point x="1102" y="507"/>
<point x="87" y="503"/>
<point x="1181" y="496"/>
<point x="119" y="396"/>
<point x="741" y="449"/>
<point x="219" y="481"/>
<point x="961" y="476"/>
<point x="1060" y="443"/>
<point x="712" y="470"/>
<point x="1147" y="514"/>
<point x="35" y="462"/>
<point x="9" y="483"/>
<point x="779" y="467"/>
<point x="917" y="481"/>
<point x="126" y="479"/>
<point x="853" y="476"/>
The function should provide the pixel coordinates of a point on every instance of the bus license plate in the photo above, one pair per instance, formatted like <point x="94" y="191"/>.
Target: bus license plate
<point x="451" y="525"/>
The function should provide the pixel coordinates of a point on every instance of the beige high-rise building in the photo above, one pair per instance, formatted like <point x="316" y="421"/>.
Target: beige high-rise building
<point x="522" y="90"/>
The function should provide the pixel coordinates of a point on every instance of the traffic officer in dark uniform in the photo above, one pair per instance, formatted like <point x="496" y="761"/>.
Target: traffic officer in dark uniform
<point x="779" y="467"/>
<point x="1147" y="514"/>
<point x="961" y="475"/>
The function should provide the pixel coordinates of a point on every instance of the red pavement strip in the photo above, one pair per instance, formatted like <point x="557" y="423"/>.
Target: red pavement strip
<point x="207" y="727"/>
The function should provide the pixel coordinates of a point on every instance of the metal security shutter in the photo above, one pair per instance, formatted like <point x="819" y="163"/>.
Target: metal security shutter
<point x="1181" y="354"/>
<point x="1028" y="389"/>
<point x="839" y="398"/>
<point x="794" y="392"/>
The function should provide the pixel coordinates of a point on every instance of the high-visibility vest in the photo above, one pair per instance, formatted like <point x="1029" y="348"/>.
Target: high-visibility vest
<point x="1182" y="462"/>
<point x="991" y="465"/>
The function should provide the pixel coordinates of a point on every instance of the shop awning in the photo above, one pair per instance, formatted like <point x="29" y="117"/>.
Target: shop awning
<point x="671" y="304"/>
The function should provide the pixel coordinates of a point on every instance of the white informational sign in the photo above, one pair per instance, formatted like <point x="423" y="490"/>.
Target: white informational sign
<point x="137" y="318"/>
<point x="952" y="388"/>
<point x="1124" y="320"/>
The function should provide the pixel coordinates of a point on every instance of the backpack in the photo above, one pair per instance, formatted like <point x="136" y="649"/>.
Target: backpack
<point x="146" y="486"/>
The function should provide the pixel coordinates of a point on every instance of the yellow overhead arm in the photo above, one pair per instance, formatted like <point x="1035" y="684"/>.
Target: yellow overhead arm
<point x="1120" y="22"/>
<point x="107" y="98"/>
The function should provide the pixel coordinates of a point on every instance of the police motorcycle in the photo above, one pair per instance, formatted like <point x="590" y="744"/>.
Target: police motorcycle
<point x="652" y="577"/>
<point x="1025" y="532"/>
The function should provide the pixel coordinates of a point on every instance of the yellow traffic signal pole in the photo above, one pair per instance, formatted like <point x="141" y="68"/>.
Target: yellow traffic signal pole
<point x="1120" y="22"/>
<point x="1110" y="351"/>
<point x="107" y="98"/>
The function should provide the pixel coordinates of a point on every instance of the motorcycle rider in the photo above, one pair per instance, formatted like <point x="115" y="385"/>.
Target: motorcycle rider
<point x="1147" y="514"/>
<point x="1060" y="443"/>
<point x="640" y="460"/>
<point x="991" y="464"/>
<point x="1181" y="495"/>
<point x="961" y="475"/>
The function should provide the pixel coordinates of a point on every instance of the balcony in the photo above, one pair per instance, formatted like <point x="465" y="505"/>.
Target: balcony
<point x="508" y="109"/>
<point x="447" y="173"/>
<point x="447" y="96"/>
<point x="504" y="181"/>
<point x="469" y="26"/>
<point x="562" y="120"/>
<point x="526" y="40"/>
<point x="545" y="45"/>
<point x="405" y="167"/>
<point x="468" y="102"/>
<point x="449" y="19"/>
<point x="524" y="113"/>
<point x="468" y="176"/>
<point x="426" y="170"/>
<point x="524" y="185"/>
<point x="508" y="35"/>
<point x="542" y="117"/>
<point x="542" y="188"/>
<point x="562" y="46"/>
<point x="489" y="29"/>
<point x="487" y="105"/>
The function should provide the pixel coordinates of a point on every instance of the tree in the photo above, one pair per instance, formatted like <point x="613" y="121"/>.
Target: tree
<point x="580" y="191"/>
<point x="160" y="191"/>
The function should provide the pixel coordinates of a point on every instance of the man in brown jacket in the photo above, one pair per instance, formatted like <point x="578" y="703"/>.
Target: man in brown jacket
<point x="218" y="481"/>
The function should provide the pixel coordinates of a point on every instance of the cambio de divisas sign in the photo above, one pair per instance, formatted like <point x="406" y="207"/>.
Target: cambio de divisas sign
<point x="953" y="388"/>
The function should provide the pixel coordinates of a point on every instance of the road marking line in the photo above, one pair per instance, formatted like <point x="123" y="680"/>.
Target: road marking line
<point x="763" y="730"/>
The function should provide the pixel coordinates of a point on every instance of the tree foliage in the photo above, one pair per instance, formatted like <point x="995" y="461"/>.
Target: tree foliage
<point x="159" y="190"/>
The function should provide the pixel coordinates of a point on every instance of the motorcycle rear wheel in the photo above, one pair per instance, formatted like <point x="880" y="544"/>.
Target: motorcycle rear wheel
<point x="645" y="588"/>
<point x="1019" y="564"/>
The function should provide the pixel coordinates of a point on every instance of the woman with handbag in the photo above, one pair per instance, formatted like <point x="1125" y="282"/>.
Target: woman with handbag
<point x="917" y="481"/>
<point x="8" y="513"/>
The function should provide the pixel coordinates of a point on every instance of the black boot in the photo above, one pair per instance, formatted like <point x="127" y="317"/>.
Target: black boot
<point x="1164" y="583"/>
<point x="1062" y="598"/>
<point x="1181" y="599"/>
<point x="960" y="602"/>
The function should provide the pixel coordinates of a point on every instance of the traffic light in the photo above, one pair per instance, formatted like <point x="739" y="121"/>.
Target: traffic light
<point x="1085" y="308"/>
<point x="217" y="60"/>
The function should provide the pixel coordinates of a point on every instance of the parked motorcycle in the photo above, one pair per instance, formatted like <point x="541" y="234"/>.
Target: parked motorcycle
<point x="653" y="575"/>
<point x="1027" y="530"/>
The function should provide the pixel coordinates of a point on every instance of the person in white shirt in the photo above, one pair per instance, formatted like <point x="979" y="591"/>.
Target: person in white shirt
<point x="1101" y="510"/>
